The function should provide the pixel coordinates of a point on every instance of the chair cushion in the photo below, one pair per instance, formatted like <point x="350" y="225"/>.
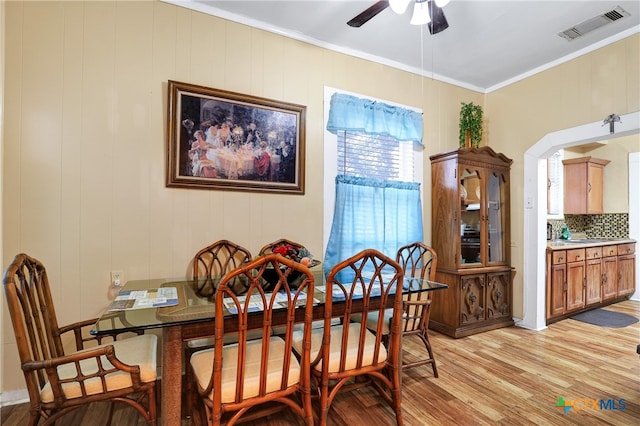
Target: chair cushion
<point x="280" y="330"/>
<point x="202" y="363"/>
<point x="138" y="350"/>
<point x="208" y="342"/>
<point x="336" y="346"/>
<point x="372" y="320"/>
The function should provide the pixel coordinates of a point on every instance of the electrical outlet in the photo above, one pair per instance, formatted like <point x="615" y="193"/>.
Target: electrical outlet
<point x="117" y="278"/>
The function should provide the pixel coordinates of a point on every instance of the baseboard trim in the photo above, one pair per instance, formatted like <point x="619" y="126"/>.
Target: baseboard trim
<point x="14" y="397"/>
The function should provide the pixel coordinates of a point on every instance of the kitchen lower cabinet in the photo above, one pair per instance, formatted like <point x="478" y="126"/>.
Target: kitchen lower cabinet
<point x="593" y="281"/>
<point x="626" y="275"/>
<point x="588" y="277"/>
<point x="575" y="285"/>
<point x="593" y="276"/>
<point x="556" y="291"/>
<point x="556" y="283"/>
<point x="609" y="277"/>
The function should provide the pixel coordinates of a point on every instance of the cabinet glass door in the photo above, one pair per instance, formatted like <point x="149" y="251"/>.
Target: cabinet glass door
<point x="471" y="187"/>
<point x="496" y="217"/>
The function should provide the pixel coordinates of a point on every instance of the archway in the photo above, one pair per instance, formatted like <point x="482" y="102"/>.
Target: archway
<point x="535" y="214"/>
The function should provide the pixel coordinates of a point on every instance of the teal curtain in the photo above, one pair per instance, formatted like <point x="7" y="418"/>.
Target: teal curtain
<point x="369" y="213"/>
<point x="348" y="112"/>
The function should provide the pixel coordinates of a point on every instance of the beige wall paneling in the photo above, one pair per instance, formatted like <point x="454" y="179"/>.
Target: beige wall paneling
<point x="10" y="139"/>
<point x="166" y="215"/>
<point x="132" y="144"/>
<point x="609" y="86"/>
<point x="41" y="137"/>
<point x="632" y="56"/>
<point x="575" y="91"/>
<point x="70" y="165"/>
<point x="100" y="128"/>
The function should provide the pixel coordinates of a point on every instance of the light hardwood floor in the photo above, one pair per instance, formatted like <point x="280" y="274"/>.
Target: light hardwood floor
<point x="510" y="376"/>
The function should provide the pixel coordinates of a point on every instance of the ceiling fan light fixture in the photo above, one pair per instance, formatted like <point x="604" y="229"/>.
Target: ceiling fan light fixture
<point x="442" y="3"/>
<point x="420" y="13"/>
<point x="399" y="6"/>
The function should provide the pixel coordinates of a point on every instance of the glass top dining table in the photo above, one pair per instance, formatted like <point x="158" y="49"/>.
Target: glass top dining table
<point x="192" y="318"/>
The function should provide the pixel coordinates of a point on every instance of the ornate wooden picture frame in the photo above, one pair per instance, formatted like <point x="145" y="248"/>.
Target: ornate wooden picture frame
<point x="230" y="141"/>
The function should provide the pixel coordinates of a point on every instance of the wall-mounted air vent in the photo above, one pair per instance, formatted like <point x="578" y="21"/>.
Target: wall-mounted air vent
<point x="594" y="23"/>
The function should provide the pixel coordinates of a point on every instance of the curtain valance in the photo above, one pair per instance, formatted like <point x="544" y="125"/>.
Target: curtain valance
<point x="377" y="183"/>
<point x="350" y="113"/>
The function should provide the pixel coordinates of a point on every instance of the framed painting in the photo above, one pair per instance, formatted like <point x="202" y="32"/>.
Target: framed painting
<point x="231" y="141"/>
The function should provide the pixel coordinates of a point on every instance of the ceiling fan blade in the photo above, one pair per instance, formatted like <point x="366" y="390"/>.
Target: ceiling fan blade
<point x="368" y="13"/>
<point x="438" y="20"/>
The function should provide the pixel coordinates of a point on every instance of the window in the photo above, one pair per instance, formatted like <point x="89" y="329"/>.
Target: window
<point x="555" y="185"/>
<point x="374" y="156"/>
<point x="377" y="179"/>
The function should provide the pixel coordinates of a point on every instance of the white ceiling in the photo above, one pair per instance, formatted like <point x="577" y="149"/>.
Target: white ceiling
<point x="488" y="44"/>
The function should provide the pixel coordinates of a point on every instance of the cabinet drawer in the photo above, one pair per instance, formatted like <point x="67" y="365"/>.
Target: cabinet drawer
<point x="575" y="255"/>
<point x="610" y="250"/>
<point x="594" y="252"/>
<point x="559" y="256"/>
<point x="626" y="248"/>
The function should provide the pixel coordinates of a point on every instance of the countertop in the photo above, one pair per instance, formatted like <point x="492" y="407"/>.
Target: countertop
<point x="586" y="242"/>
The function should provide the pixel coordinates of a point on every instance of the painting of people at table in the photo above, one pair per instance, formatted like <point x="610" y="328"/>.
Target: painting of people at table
<point x="224" y="140"/>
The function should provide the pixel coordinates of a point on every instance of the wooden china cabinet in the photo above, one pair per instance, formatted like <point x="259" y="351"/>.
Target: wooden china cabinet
<point x="471" y="235"/>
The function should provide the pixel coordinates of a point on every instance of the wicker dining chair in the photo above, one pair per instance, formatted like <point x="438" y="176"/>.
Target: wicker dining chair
<point x="348" y="355"/>
<point x="60" y="380"/>
<point x="242" y="379"/>
<point x="210" y="264"/>
<point x="420" y="261"/>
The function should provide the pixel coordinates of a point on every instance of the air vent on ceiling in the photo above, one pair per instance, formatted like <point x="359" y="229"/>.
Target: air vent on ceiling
<point x="591" y="24"/>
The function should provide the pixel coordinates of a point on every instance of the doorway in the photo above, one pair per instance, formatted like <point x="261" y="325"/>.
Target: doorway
<point x="535" y="212"/>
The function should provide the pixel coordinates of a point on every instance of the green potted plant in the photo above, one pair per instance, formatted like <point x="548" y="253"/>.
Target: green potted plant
<point x="470" y="125"/>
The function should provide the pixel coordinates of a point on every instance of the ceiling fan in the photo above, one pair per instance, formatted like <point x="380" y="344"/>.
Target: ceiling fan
<point x="425" y="11"/>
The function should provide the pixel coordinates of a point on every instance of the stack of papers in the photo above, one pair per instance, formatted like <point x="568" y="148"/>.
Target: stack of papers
<point x="141" y="299"/>
<point x="256" y="305"/>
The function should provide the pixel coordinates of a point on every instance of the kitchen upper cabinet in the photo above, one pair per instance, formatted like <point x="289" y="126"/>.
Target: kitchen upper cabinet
<point x="583" y="185"/>
<point x="471" y="235"/>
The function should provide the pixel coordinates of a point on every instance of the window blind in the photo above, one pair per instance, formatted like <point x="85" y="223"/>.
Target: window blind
<point x="374" y="156"/>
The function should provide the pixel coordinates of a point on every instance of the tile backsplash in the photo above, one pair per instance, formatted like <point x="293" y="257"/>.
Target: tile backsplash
<point x="610" y="225"/>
